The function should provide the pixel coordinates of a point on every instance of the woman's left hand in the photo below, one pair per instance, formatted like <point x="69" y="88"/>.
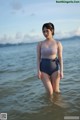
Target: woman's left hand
<point x="61" y="75"/>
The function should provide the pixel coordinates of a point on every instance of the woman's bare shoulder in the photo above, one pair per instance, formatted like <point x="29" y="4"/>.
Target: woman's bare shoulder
<point x="40" y="43"/>
<point x="59" y="44"/>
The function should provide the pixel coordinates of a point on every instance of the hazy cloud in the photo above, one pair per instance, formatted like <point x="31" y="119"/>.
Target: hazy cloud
<point x="62" y="34"/>
<point x="76" y="32"/>
<point x="32" y="14"/>
<point x="32" y="37"/>
<point x="19" y="38"/>
<point x="18" y="35"/>
<point x="6" y="39"/>
<point x="16" y="5"/>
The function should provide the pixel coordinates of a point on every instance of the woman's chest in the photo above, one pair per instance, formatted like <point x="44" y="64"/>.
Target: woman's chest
<point x="49" y="49"/>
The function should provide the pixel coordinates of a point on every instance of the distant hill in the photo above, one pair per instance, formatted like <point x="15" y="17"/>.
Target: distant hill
<point x="70" y="38"/>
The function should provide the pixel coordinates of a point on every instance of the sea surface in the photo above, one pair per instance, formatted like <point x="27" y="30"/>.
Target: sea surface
<point x="22" y="94"/>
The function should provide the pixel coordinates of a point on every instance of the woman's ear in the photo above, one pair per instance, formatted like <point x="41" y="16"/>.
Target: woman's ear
<point x="52" y="32"/>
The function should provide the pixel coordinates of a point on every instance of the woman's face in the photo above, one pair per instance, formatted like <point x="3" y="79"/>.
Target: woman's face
<point x="47" y="32"/>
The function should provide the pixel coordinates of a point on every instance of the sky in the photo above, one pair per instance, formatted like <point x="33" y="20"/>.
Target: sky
<point x="22" y="20"/>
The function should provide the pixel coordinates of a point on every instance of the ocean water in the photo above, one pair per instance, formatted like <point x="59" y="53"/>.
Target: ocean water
<point x="22" y="94"/>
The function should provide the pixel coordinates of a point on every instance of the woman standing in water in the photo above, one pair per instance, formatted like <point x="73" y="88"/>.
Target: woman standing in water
<point x="49" y="60"/>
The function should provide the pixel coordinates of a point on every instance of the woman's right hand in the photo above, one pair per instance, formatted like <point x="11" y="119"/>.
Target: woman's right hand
<point x="39" y="74"/>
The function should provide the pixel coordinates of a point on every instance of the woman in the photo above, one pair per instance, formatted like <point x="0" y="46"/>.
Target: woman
<point x="49" y="60"/>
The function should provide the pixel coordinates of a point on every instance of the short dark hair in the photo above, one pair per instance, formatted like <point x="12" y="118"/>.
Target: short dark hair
<point x="48" y="26"/>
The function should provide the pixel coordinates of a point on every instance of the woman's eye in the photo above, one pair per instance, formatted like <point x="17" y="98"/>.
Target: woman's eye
<point x="45" y="31"/>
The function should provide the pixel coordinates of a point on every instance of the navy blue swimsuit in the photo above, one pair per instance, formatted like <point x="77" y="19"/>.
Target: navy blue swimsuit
<point x="49" y="66"/>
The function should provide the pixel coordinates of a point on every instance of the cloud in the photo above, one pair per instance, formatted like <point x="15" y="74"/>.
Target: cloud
<point x="16" y="5"/>
<point x="32" y="37"/>
<point x="6" y="39"/>
<point x="20" y="38"/>
<point x="32" y="14"/>
<point x="18" y="35"/>
<point x="76" y="32"/>
<point x="63" y="34"/>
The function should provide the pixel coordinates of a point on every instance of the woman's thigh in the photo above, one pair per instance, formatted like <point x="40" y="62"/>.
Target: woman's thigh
<point x="47" y="83"/>
<point x="55" y="78"/>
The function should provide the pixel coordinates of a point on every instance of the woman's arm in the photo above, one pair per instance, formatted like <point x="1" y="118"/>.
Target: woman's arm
<point x="38" y="59"/>
<point x="38" y="55"/>
<point x="60" y="50"/>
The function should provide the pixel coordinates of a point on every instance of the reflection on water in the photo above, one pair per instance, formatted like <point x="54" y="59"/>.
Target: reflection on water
<point x="59" y="101"/>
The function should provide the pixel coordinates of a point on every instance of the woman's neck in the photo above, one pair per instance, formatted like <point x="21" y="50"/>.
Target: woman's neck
<point x="50" y="39"/>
